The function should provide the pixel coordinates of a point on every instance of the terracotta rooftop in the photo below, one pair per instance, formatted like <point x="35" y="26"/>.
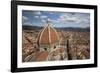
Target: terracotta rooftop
<point x="42" y="56"/>
<point x="48" y="36"/>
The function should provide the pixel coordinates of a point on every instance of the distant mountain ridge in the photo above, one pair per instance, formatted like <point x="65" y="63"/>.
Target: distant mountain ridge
<point x="87" y="29"/>
<point x="26" y="27"/>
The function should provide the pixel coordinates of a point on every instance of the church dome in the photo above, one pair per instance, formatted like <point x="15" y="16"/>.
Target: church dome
<point x="48" y="36"/>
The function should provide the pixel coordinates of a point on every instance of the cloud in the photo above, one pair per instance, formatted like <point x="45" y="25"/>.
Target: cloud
<point x="48" y="19"/>
<point x="83" y="20"/>
<point x="51" y="12"/>
<point x="36" y="16"/>
<point x="76" y="18"/>
<point x="43" y="16"/>
<point x="66" y="18"/>
<point x="44" y="21"/>
<point x="27" y="23"/>
<point x="24" y="18"/>
<point x="37" y="13"/>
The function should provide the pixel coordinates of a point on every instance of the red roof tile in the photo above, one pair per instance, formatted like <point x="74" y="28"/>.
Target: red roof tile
<point x="48" y="36"/>
<point x="42" y="56"/>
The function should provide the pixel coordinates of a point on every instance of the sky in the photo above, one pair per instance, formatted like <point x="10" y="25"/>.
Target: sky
<point x="58" y="19"/>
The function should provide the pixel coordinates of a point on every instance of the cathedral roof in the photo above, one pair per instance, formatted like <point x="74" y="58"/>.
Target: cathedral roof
<point x="48" y="36"/>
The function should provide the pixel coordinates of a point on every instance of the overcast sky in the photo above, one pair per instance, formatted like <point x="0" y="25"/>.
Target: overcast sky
<point x="58" y="19"/>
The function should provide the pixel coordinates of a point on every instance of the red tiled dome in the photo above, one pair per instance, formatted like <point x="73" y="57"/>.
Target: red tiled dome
<point x="48" y="36"/>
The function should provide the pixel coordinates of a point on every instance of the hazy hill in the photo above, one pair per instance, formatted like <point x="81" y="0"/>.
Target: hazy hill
<point x="26" y="27"/>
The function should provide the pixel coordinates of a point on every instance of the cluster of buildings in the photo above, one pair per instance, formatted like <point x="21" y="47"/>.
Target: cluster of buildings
<point x="51" y="45"/>
<point x="47" y="45"/>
